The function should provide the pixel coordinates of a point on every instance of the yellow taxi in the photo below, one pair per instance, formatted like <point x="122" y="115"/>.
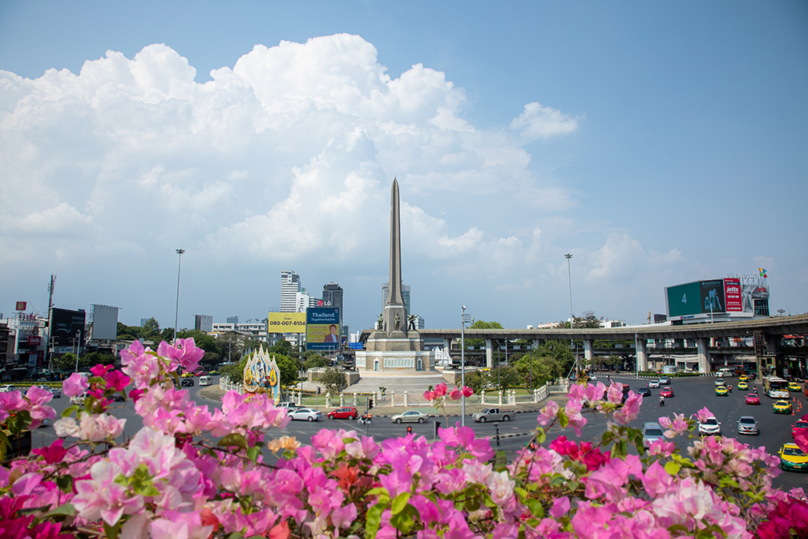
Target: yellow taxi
<point x="782" y="407"/>
<point x="743" y="378"/>
<point x="721" y="391"/>
<point x="743" y="385"/>
<point x="187" y="375"/>
<point x="793" y="458"/>
<point x="794" y="386"/>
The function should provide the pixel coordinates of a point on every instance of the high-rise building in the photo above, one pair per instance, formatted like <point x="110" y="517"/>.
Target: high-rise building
<point x="302" y="301"/>
<point x="419" y="322"/>
<point x="203" y="322"/>
<point x="290" y="286"/>
<point x="232" y="319"/>
<point x="332" y="297"/>
<point x="405" y="293"/>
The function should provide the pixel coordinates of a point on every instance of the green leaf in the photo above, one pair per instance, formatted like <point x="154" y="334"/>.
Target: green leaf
<point x="252" y="454"/>
<point x="536" y="508"/>
<point x="472" y="504"/>
<point x="378" y="491"/>
<point x="374" y="520"/>
<point x="69" y="410"/>
<point x="563" y="420"/>
<point x="64" y="509"/>
<point x="673" y="468"/>
<point x="400" y="502"/>
<point x="233" y="439"/>
<point x="65" y="484"/>
<point x="405" y="520"/>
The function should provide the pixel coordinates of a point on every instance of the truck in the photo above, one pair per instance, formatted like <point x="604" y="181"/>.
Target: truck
<point x="493" y="414"/>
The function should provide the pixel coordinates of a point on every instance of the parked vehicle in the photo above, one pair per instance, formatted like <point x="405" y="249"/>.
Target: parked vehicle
<point x="748" y="425"/>
<point x="493" y="414"/>
<point x="346" y="412"/>
<point x="410" y="416"/>
<point x="651" y="432"/>
<point x="305" y="414"/>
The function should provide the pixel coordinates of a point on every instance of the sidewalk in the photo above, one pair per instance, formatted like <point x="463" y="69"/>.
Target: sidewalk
<point x="214" y="394"/>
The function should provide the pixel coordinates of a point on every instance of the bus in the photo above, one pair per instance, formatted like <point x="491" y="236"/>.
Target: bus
<point x="775" y="387"/>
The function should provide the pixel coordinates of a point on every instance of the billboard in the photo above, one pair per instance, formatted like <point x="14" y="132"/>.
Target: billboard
<point x="732" y="295"/>
<point x="322" y="328"/>
<point x="286" y="323"/>
<point x="65" y="326"/>
<point x="729" y="295"/>
<point x="105" y="323"/>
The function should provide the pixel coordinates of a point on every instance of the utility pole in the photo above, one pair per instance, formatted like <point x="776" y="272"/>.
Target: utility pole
<point x="51" y="286"/>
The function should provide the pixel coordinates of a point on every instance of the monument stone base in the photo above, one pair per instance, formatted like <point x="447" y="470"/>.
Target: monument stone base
<point x="396" y="353"/>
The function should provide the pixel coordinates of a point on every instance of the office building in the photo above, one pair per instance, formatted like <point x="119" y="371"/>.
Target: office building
<point x="332" y="297"/>
<point x="232" y="319"/>
<point x="290" y="287"/>
<point x="405" y="293"/>
<point x="203" y="322"/>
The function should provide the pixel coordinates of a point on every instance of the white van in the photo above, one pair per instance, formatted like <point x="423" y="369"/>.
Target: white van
<point x="204" y="381"/>
<point x="726" y="373"/>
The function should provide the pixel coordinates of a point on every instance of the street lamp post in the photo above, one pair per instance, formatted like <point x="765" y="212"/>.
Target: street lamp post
<point x="464" y="318"/>
<point x="78" y="349"/>
<point x="177" y="308"/>
<point x="572" y="316"/>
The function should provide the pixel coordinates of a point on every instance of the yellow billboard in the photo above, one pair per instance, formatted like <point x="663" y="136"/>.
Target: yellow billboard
<point x="286" y="323"/>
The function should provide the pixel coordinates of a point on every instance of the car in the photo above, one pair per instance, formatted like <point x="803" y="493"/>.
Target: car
<point x="743" y="385"/>
<point x="800" y="425"/>
<point x="709" y="426"/>
<point x="187" y="382"/>
<point x="654" y="383"/>
<point x="792" y="458"/>
<point x="720" y="382"/>
<point x="346" y="412"/>
<point x="651" y="432"/>
<point x="665" y="381"/>
<point x="118" y="397"/>
<point x="305" y="414"/>
<point x="743" y="378"/>
<point x="748" y="425"/>
<point x="752" y="398"/>
<point x="644" y="392"/>
<point x="78" y="399"/>
<point x="782" y="407"/>
<point x="410" y="416"/>
<point x="794" y="386"/>
<point x="666" y="392"/>
<point x="214" y="372"/>
<point x="287" y="405"/>
<point x="187" y="375"/>
<point x="55" y="391"/>
<point x="7" y="388"/>
<point x="721" y="391"/>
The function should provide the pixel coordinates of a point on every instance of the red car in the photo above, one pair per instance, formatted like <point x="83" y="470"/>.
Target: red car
<point x="346" y="412"/>
<point x="666" y="392"/>
<point x="752" y="398"/>
<point x="802" y="424"/>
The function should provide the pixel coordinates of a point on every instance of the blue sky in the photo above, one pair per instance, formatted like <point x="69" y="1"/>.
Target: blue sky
<point x="659" y="143"/>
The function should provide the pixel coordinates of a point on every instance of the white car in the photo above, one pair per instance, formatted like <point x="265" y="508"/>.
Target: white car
<point x="709" y="427"/>
<point x="306" y="414"/>
<point x="654" y="383"/>
<point x="7" y="388"/>
<point x="720" y="382"/>
<point x="78" y="399"/>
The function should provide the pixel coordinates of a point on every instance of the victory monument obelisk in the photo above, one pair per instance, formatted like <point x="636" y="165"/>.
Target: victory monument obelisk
<point x="393" y="348"/>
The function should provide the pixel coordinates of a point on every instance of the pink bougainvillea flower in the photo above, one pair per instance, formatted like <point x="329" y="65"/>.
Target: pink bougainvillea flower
<point x="440" y="391"/>
<point x="54" y="453"/>
<point x="703" y="414"/>
<point x="467" y="391"/>
<point x="101" y="370"/>
<point x="630" y="410"/>
<point x="75" y="385"/>
<point x="116" y="380"/>
<point x="455" y="394"/>
<point x="548" y="413"/>
<point x="429" y="395"/>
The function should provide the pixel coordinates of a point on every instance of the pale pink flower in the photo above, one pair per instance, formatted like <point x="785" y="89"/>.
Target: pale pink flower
<point x="548" y="413"/>
<point x="703" y="414"/>
<point x="573" y="412"/>
<point x="630" y="410"/>
<point x="75" y="385"/>
<point x="615" y="393"/>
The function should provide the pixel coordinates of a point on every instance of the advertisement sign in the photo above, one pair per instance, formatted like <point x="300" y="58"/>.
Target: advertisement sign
<point x="105" y="323"/>
<point x="66" y="324"/>
<point x="21" y="305"/>
<point x="322" y="328"/>
<point x="286" y="323"/>
<point x="712" y="296"/>
<point x="684" y="299"/>
<point x="732" y="295"/>
<point x="34" y="341"/>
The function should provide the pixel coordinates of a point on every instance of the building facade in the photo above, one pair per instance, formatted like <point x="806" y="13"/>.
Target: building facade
<point x="232" y="319"/>
<point x="203" y="322"/>
<point x="290" y="287"/>
<point x="332" y="297"/>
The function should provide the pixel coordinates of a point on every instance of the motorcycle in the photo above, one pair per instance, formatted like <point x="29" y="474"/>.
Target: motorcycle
<point x="662" y="402"/>
<point x="364" y="421"/>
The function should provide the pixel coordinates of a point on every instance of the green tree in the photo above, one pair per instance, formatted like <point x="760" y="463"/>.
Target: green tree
<point x="535" y="370"/>
<point x="282" y="347"/>
<point x="150" y="329"/>
<point x="231" y="346"/>
<point x="333" y="380"/>
<point x="481" y="324"/>
<point x="313" y="360"/>
<point x="128" y="333"/>
<point x="505" y="378"/>
<point x="289" y="367"/>
<point x="67" y="362"/>
<point x="476" y="381"/>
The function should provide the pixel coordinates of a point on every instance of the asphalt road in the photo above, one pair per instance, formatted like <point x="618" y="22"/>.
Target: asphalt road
<point x="690" y="395"/>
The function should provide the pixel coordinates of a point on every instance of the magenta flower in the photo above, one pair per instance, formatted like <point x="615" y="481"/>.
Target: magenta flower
<point x="455" y="394"/>
<point x="116" y="380"/>
<point x="429" y="395"/>
<point x="440" y="391"/>
<point x="467" y="391"/>
<point x="75" y="385"/>
<point x="101" y="370"/>
<point x="52" y="454"/>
